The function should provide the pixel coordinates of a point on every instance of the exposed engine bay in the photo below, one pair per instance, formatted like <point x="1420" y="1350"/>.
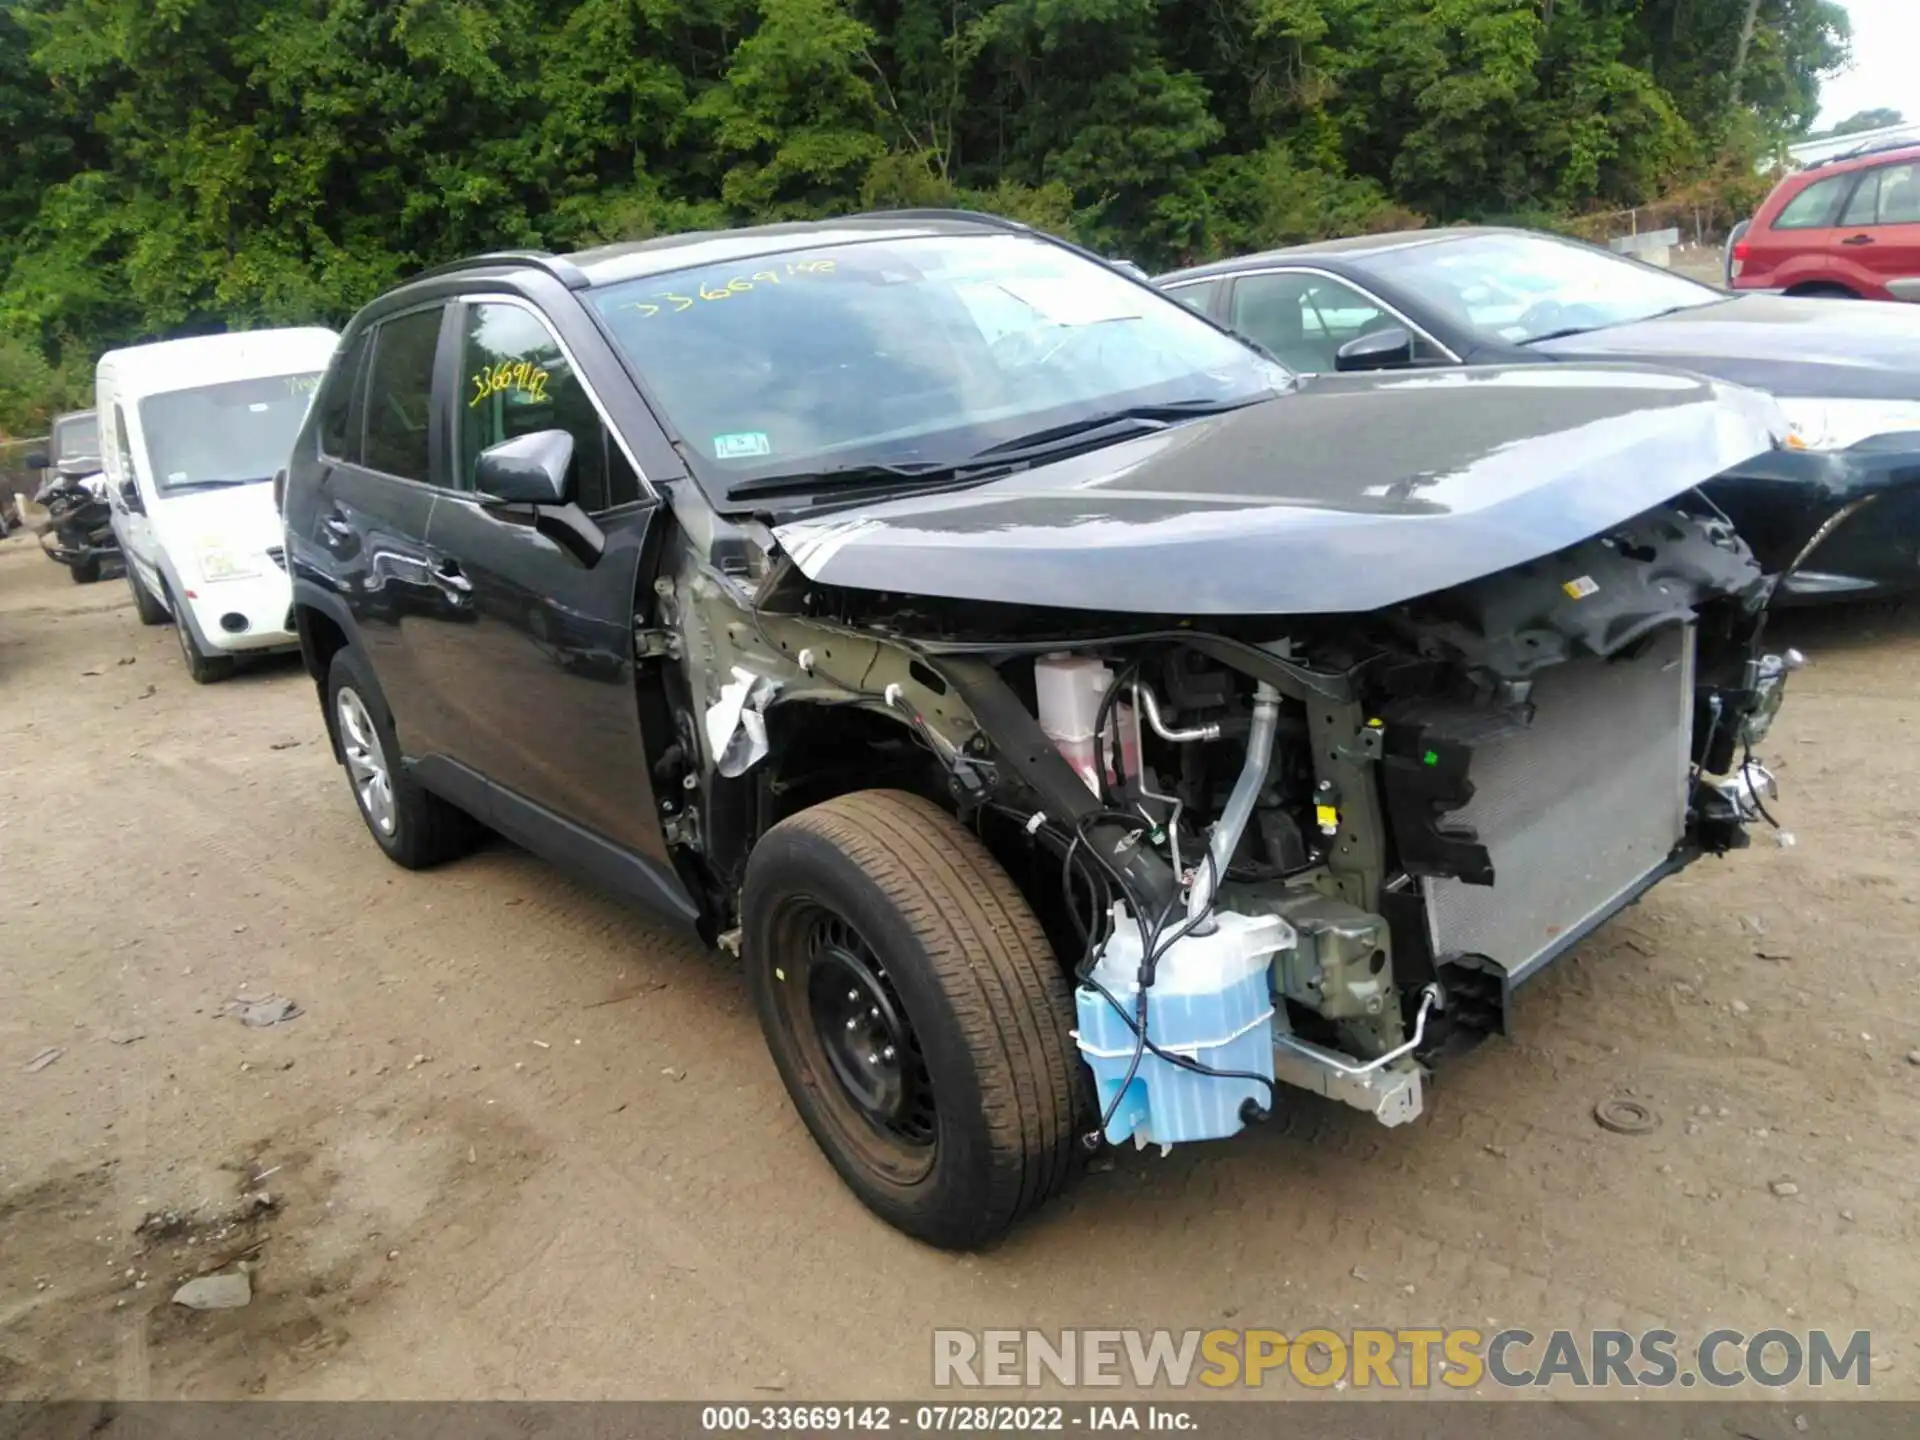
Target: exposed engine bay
<point x="1316" y="851"/>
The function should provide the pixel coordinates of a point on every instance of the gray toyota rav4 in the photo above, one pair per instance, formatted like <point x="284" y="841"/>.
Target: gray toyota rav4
<point x="1079" y="726"/>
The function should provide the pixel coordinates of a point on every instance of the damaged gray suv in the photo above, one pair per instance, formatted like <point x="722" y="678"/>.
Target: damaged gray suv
<point x="1080" y="727"/>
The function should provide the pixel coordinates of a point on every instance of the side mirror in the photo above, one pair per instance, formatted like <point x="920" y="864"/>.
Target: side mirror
<point x="38" y="460"/>
<point x="1388" y="349"/>
<point x="526" y="470"/>
<point x="130" y="497"/>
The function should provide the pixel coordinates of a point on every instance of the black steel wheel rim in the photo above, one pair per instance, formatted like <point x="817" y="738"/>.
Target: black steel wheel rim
<point x="863" y="1033"/>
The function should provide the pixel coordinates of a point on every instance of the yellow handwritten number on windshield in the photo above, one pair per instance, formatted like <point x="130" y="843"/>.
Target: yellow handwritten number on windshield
<point x="672" y="303"/>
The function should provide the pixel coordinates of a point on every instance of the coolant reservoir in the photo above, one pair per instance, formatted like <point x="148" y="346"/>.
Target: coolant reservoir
<point x="1070" y="689"/>
<point x="1211" y="1001"/>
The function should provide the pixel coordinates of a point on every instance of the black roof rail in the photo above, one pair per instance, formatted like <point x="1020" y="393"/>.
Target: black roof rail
<point x="1874" y="147"/>
<point x="936" y="212"/>
<point x="565" y="271"/>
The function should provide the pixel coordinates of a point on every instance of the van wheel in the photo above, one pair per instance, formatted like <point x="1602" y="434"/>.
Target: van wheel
<point x="414" y="826"/>
<point x="1820" y="290"/>
<point x="916" y="1013"/>
<point x="150" y="610"/>
<point x="204" y="668"/>
<point x="84" y="572"/>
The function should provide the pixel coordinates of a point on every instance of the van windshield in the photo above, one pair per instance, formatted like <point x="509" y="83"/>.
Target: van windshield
<point x="76" y="437"/>
<point x="237" y="433"/>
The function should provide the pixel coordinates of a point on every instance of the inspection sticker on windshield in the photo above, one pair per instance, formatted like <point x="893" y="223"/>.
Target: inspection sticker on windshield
<point x="744" y="446"/>
<point x="1581" y="588"/>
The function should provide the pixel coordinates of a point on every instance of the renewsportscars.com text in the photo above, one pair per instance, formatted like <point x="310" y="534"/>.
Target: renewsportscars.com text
<point x="1409" y="1358"/>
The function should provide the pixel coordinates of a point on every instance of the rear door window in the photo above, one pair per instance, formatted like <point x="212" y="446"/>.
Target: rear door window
<point x="516" y="380"/>
<point x="1813" y="207"/>
<point x="400" y="393"/>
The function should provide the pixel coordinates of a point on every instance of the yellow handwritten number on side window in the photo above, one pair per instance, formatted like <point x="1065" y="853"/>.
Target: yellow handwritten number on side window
<point x="524" y="379"/>
<point x="672" y="303"/>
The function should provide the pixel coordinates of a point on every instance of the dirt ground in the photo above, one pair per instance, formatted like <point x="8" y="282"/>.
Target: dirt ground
<point x="523" y="1142"/>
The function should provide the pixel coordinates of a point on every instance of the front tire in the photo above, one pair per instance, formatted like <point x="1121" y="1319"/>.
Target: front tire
<point x="150" y="610"/>
<point x="204" y="668"/>
<point x="415" y="827"/>
<point x="916" y="1013"/>
<point x="84" y="572"/>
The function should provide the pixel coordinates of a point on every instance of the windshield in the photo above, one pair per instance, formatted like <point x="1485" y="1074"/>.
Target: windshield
<point x="76" y="437"/>
<point x="231" y="434"/>
<point x="1520" y="288"/>
<point x="917" y="353"/>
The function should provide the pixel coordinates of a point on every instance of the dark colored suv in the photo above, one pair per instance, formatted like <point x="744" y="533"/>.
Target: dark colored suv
<point x="1077" y="727"/>
<point x="1847" y="228"/>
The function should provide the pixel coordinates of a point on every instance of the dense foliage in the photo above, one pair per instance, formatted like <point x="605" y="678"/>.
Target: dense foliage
<point x="188" y="164"/>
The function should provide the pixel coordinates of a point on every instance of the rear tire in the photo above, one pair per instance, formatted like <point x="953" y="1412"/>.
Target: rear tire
<point x="150" y="610"/>
<point x="916" y="1013"/>
<point x="84" y="572"/>
<point x="415" y="827"/>
<point x="1822" y="291"/>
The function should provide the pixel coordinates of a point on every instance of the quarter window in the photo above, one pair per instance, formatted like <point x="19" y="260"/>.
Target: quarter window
<point x="399" y="392"/>
<point x="515" y="380"/>
<point x="1197" y="296"/>
<point x="1304" y="319"/>
<point x="1813" y="207"/>
<point x="340" y="409"/>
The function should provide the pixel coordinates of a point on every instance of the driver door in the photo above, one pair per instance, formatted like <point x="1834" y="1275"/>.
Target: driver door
<point x="130" y="522"/>
<point x="544" y="668"/>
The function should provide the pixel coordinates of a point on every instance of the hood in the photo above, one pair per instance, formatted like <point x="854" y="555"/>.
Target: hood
<point x="241" y="518"/>
<point x="1352" y="493"/>
<point x="1835" y="349"/>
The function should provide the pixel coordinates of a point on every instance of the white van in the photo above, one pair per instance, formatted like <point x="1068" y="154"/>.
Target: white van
<point x="191" y="433"/>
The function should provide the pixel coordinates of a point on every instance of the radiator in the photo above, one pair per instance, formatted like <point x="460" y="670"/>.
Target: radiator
<point x="1575" y="810"/>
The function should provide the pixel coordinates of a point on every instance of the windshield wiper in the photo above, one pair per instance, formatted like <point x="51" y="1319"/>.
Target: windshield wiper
<point x="219" y="484"/>
<point x="843" y="477"/>
<point x="995" y="460"/>
<point x="1134" y="420"/>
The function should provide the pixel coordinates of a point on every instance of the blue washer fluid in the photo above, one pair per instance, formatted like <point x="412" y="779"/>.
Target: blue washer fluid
<point x="1211" y="1000"/>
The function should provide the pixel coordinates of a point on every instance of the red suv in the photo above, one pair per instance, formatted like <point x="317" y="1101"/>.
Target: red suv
<point x="1849" y="227"/>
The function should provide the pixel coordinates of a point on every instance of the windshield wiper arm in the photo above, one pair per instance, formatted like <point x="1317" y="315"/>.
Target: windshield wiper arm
<point x="994" y="460"/>
<point x="1135" y="419"/>
<point x="843" y="477"/>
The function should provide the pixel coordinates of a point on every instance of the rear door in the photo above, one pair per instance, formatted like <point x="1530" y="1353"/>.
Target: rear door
<point x="544" y="668"/>
<point x="379" y="449"/>
<point x="1880" y="229"/>
<point x="1798" y="243"/>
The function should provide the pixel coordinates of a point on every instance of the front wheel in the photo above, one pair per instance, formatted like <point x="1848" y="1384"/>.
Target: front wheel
<point x="204" y="668"/>
<point x="916" y="1013"/>
<point x="85" y="572"/>
<point x="150" y="610"/>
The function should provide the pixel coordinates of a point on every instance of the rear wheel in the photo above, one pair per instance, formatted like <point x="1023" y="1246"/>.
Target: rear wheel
<point x="150" y="610"/>
<point x="1823" y="291"/>
<point x="414" y="826"/>
<point x="84" y="572"/>
<point x="916" y="1013"/>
